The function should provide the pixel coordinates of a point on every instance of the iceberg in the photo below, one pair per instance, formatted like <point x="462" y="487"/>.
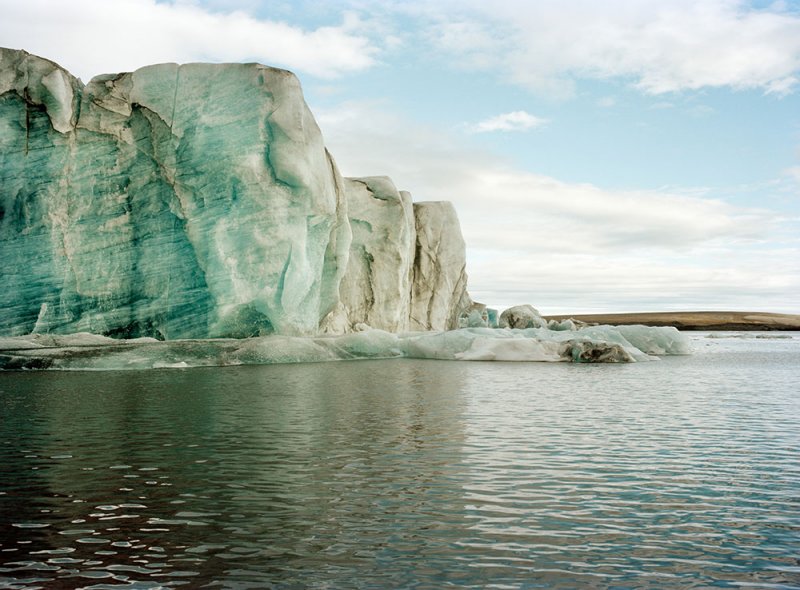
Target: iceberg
<point x="522" y="316"/>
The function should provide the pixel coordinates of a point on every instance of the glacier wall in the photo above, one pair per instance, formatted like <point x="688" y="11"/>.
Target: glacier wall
<point x="199" y="201"/>
<point x="439" y="288"/>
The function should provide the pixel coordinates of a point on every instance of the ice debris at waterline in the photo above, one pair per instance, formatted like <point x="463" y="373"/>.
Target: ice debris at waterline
<point x="199" y="201"/>
<point x="608" y="344"/>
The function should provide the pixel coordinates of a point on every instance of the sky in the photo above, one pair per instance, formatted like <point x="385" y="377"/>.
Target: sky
<point x="624" y="155"/>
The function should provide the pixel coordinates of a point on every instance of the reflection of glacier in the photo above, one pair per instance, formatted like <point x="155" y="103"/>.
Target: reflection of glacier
<point x="267" y="469"/>
<point x="199" y="202"/>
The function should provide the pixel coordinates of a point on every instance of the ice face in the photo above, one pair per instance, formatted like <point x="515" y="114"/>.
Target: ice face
<point x="376" y="288"/>
<point x="439" y="288"/>
<point x="184" y="201"/>
<point x="199" y="201"/>
<point x="597" y="344"/>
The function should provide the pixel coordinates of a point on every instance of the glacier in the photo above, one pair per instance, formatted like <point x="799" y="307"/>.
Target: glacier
<point x="199" y="201"/>
<point x="190" y="215"/>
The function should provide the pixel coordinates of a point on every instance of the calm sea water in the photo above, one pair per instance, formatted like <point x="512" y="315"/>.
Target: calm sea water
<point x="683" y="473"/>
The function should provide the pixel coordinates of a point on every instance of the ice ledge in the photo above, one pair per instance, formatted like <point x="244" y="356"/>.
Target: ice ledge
<point x="598" y="344"/>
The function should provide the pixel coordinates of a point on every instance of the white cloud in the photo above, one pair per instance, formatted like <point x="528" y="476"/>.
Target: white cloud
<point x="91" y="37"/>
<point x="533" y="209"/>
<point x="660" y="47"/>
<point x="571" y="283"/>
<point x="514" y="121"/>
<point x="576" y="247"/>
<point x="545" y="46"/>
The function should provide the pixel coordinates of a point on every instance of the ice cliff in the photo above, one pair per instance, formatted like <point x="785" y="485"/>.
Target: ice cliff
<point x="199" y="201"/>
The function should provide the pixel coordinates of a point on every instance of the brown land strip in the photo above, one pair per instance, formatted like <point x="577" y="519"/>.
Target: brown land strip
<point x="695" y="320"/>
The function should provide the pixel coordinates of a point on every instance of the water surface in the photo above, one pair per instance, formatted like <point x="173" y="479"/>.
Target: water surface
<point x="408" y="473"/>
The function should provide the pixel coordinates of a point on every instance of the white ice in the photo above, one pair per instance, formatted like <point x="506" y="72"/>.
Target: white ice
<point x="595" y="344"/>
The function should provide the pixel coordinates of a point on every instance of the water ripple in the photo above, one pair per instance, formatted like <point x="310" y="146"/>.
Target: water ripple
<point x="413" y="474"/>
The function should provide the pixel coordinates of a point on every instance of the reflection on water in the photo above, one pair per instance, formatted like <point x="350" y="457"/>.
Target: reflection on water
<point x="406" y="473"/>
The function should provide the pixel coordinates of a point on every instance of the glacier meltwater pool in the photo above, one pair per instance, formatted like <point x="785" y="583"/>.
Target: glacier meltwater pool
<point x="683" y="473"/>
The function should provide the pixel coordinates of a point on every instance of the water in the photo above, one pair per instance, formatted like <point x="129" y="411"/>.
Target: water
<point x="408" y="473"/>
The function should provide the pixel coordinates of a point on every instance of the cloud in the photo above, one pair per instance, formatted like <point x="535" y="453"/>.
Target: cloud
<point x="545" y="46"/>
<point x="660" y="47"/>
<point x="571" y="283"/>
<point x="575" y="247"/>
<point x="514" y="121"/>
<point x="91" y="37"/>
<point x="533" y="210"/>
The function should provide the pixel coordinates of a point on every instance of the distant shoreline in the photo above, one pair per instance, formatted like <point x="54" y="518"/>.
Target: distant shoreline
<point x="695" y="320"/>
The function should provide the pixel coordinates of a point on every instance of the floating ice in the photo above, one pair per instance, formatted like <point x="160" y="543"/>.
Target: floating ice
<point x="522" y="316"/>
<point x="749" y="335"/>
<point x="596" y="344"/>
